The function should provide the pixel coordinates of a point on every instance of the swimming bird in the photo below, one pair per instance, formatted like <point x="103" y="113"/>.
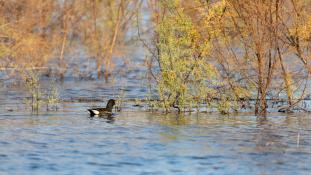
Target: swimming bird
<point x="103" y="111"/>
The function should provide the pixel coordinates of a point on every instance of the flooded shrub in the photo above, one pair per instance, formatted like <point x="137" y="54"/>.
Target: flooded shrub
<point x="191" y="71"/>
<point x="185" y="73"/>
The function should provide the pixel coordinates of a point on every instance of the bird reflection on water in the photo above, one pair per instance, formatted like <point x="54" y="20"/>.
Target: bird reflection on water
<point x="109" y="118"/>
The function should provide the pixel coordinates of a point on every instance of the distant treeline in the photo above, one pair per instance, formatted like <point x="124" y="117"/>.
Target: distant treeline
<point x="229" y="50"/>
<point x="34" y="31"/>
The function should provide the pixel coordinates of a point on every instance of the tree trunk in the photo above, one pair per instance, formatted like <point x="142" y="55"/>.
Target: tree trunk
<point x="113" y="41"/>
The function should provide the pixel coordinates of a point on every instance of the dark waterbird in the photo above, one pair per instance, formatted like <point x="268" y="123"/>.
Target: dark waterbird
<point x="103" y="111"/>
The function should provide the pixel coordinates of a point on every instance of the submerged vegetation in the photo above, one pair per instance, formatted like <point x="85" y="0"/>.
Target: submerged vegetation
<point x="226" y="55"/>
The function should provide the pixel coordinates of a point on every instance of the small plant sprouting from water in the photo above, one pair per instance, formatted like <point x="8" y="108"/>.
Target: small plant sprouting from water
<point x="52" y="99"/>
<point x="31" y="79"/>
<point x="37" y="97"/>
<point x="151" y="102"/>
<point x="120" y="99"/>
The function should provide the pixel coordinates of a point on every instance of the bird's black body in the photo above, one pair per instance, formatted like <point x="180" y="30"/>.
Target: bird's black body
<point x="103" y="111"/>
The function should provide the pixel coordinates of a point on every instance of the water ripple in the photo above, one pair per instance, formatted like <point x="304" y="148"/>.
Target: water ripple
<point x="144" y="143"/>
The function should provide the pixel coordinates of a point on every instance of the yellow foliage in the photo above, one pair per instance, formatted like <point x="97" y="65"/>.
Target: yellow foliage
<point x="303" y="30"/>
<point x="181" y="59"/>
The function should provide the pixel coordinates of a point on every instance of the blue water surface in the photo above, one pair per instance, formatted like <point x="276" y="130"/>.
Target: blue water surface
<point x="70" y="142"/>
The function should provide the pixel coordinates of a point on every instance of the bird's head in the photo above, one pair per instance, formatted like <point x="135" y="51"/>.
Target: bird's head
<point x="111" y="103"/>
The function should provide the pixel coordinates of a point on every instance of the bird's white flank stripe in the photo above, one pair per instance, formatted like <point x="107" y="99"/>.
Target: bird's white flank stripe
<point x="95" y="112"/>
